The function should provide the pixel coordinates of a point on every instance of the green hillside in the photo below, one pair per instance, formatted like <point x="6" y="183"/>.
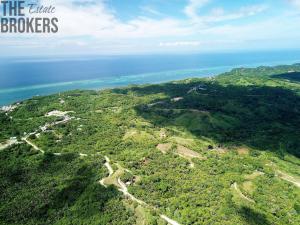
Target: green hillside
<point x="222" y="150"/>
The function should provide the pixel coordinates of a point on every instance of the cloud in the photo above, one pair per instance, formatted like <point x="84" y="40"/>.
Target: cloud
<point x="150" y="10"/>
<point x="295" y="2"/>
<point x="179" y="43"/>
<point x="219" y="14"/>
<point x="191" y="10"/>
<point x="97" y="21"/>
<point x="91" y="26"/>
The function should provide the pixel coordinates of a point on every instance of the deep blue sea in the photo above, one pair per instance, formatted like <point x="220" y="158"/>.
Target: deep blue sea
<point x="23" y="77"/>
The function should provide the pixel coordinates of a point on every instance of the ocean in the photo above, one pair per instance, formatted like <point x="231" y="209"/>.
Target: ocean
<point x="22" y="78"/>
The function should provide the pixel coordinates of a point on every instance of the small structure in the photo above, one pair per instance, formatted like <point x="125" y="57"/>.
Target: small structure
<point x="8" y="108"/>
<point x="197" y="88"/>
<point x="56" y="113"/>
<point x="177" y="99"/>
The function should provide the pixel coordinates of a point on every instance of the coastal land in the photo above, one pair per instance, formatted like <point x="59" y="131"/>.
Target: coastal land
<point x="218" y="150"/>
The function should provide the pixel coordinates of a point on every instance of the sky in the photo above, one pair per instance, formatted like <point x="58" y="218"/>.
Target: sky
<point x="113" y="27"/>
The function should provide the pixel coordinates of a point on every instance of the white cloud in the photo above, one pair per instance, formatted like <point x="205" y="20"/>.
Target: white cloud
<point x="219" y="14"/>
<point x="150" y="10"/>
<point x="92" y="26"/>
<point x="295" y="2"/>
<point x="191" y="10"/>
<point x="97" y="21"/>
<point x="179" y="43"/>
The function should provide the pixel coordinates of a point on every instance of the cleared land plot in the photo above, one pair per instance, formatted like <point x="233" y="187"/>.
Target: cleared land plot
<point x="188" y="153"/>
<point x="164" y="148"/>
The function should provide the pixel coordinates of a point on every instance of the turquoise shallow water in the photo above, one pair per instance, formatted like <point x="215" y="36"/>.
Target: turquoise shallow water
<point x="22" y="79"/>
<point x="10" y="95"/>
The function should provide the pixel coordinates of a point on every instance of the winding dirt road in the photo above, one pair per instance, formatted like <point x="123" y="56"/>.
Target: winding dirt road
<point x="288" y="178"/>
<point x="124" y="190"/>
<point x="8" y="143"/>
<point x="108" y="166"/>
<point x="168" y="220"/>
<point x="110" y="170"/>
<point x="235" y="186"/>
<point x="33" y="145"/>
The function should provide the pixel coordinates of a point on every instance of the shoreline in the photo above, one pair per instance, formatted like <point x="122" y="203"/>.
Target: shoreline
<point x="11" y="96"/>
